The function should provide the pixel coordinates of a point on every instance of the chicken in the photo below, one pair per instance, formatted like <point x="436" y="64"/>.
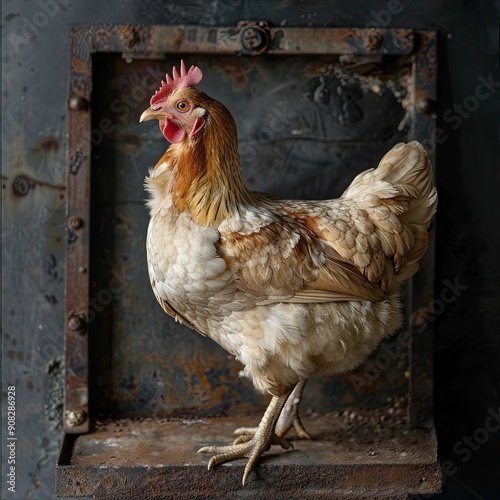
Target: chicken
<point x="290" y="288"/>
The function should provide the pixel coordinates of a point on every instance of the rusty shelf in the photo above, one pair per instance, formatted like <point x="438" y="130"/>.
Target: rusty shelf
<point x="348" y="458"/>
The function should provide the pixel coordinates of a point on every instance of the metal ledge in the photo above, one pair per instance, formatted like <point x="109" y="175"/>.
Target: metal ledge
<point x="350" y="457"/>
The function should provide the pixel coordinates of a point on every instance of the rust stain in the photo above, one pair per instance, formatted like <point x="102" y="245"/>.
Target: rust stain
<point x="129" y="35"/>
<point x="79" y="66"/>
<point x="178" y="41"/>
<point x="103" y="38"/>
<point x="47" y="145"/>
<point x="372" y="39"/>
<point x="234" y="68"/>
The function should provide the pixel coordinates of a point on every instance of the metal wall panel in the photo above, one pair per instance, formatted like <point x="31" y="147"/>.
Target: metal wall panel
<point x="35" y="74"/>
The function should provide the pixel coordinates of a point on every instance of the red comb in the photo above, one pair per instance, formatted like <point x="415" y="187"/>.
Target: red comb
<point x="178" y="81"/>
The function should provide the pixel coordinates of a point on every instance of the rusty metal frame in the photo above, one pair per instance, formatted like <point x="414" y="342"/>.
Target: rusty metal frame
<point x="248" y="38"/>
<point x="76" y="403"/>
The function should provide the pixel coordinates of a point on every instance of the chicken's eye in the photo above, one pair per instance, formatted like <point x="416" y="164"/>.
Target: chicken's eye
<point x="182" y="106"/>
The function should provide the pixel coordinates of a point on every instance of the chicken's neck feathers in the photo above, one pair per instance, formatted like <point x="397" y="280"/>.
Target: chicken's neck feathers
<point x="202" y="175"/>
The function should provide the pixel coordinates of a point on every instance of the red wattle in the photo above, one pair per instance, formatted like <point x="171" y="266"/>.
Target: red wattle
<point x="171" y="131"/>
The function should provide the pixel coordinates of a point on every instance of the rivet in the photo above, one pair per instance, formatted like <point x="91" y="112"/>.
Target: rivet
<point x="76" y="323"/>
<point x="21" y="186"/>
<point x="77" y="103"/>
<point x="75" y="416"/>
<point x="75" y="222"/>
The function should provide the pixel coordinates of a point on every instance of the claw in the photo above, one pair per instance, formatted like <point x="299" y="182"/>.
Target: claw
<point x="253" y="443"/>
<point x="252" y="449"/>
<point x="244" y="438"/>
<point x="245" y="434"/>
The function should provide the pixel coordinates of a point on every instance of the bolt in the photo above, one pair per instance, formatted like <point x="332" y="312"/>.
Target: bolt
<point x="75" y="222"/>
<point x="21" y="186"/>
<point x="75" y="417"/>
<point x="77" y="103"/>
<point x="253" y="39"/>
<point x="76" y="323"/>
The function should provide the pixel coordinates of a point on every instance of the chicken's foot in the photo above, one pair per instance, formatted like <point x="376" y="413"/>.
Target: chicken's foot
<point x="257" y="444"/>
<point x="288" y="418"/>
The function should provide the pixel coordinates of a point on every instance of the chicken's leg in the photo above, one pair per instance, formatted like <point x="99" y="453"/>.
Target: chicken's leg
<point x="288" y="418"/>
<point x="260" y="442"/>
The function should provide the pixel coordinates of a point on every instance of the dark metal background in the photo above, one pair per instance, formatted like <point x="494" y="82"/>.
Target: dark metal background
<point x="35" y="107"/>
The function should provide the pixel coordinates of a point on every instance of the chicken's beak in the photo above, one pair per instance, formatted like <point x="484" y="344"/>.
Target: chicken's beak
<point x="151" y="114"/>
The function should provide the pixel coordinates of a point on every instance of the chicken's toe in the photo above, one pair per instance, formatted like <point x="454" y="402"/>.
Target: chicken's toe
<point x="245" y="434"/>
<point x="252" y="446"/>
<point x="252" y="449"/>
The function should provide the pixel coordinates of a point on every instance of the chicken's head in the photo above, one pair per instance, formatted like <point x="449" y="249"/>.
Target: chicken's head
<point x="174" y="105"/>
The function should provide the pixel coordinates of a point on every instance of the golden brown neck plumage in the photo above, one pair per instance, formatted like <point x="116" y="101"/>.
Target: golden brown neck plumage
<point x="207" y="179"/>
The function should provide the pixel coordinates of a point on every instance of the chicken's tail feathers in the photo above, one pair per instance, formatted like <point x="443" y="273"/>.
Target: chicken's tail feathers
<point x="403" y="184"/>
<point x="402" y="181"/>
<point x="407" y="167"/>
